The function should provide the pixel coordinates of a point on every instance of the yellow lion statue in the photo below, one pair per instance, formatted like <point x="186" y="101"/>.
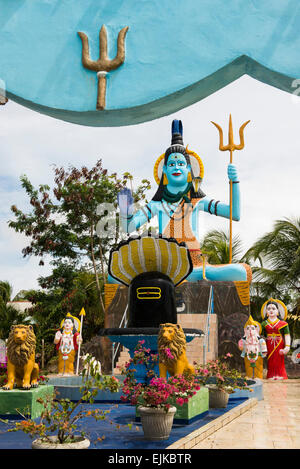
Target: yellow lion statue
<point x="172" y="351"/>
<point x="21" y="367"/>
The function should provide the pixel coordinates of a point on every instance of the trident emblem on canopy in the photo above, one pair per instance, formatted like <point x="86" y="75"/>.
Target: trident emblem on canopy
<point x="231" y="147"/>
<point x="103" y="65"/>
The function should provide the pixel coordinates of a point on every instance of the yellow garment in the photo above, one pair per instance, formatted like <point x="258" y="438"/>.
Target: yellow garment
<point x="66" y="366"/>
<point x="258" y="370"/>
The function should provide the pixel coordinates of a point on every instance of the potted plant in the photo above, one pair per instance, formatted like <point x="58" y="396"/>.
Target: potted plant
<point x="59" y="424"/>
<point x="221" y="379"/>
<point x="156" y="399"/>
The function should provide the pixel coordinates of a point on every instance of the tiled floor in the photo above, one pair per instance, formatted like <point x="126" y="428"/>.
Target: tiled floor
<point x="274" y="423"/>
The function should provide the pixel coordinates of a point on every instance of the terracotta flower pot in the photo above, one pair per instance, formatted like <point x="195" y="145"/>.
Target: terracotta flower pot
<point x="79" y="443"/>
<point x="217" y="398"/>
<point x="156" y="423"/>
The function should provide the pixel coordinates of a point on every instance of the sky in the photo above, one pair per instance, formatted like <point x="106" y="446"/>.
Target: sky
<point x="268" y="166"/>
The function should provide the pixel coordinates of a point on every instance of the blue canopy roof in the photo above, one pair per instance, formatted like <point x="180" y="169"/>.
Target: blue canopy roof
<point x="177" y="53"/>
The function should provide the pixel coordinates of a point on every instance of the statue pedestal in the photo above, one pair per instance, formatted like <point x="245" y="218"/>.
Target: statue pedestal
<point x="196" y="408"/>
<point x="24" y="401"/>
<point x="130" y="337"/>
<point x="231" y="302"/>
<point x="68" y="387"/>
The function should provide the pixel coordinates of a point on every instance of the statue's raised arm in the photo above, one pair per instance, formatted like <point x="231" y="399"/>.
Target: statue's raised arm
<point x="215" y="207"/>
<point x="130" y="221"/>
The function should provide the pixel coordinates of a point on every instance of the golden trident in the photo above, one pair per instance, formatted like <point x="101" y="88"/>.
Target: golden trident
<point x="103" y="64"/>
<point x="231" y="147"/>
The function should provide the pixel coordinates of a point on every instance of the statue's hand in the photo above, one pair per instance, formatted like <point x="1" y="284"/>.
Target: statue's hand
<point x="58" y="336"/>
<point x="284" y="351"/>
<point x="125" y="202"/>
<point x="232" y="172"/>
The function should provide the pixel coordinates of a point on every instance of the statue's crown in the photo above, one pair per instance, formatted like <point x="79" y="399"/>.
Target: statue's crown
<point x="177" y="133"/>
<point x="251" y="322"/>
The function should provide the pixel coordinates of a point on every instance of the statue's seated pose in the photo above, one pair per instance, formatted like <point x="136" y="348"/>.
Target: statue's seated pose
<point x="177" y="203"/>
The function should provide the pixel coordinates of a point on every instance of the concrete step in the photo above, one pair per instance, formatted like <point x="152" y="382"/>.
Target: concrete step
<point x="124" y="357"/>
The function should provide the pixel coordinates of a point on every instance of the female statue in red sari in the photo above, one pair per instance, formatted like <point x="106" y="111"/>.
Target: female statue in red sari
<point x="278" y="341"/>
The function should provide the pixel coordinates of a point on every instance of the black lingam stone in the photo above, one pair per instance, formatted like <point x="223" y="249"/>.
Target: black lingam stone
<point x="151" y="300"/>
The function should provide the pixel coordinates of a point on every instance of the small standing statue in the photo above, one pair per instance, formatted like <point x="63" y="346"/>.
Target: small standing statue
<point x="67" y="340"/>
<point x="253" y="349"/>
<point x="276" y="329"/>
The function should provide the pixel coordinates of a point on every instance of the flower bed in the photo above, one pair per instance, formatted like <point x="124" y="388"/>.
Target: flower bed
<point x="155" y="391"/>
<point x="217" y="374"/>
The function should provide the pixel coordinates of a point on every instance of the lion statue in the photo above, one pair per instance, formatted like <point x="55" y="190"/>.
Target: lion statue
<point x="172" y="351"/>
<point x="22" y="370"/>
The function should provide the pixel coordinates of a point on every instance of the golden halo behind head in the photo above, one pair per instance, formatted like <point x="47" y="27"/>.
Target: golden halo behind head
<point x="77" y="323"/>
<point x="196" y="164"/>
<point x="281" y="308"/>
<point x="251" y="322"/>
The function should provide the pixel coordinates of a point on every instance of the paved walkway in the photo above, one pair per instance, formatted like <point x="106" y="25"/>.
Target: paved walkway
<point x="274" y="423"/>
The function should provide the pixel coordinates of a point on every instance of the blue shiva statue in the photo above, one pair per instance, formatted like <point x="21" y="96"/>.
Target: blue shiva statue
<point x="176" y="204"/>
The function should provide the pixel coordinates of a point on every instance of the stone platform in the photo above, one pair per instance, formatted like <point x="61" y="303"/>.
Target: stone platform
<point x="24" y="401"/>
<point x="230" y="313"/>
<point x="256" y="391"/>
<point x="68" y="387"/>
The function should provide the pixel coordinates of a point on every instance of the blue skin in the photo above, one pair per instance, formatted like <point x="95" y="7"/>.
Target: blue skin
<point x="177" y="171"/>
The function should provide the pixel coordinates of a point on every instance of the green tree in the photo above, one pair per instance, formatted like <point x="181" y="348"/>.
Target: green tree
<point x="215" y="245"/>
<point x="63" y="224"/>
<point x="5" y="291"/>
<point x="293" y="319"/>
<point x="275" y="259"/>
<point x="8" y="317"/>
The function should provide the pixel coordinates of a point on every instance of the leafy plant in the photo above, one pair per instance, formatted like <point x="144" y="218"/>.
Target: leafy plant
<point x="276" y="272"/>
<point x="9" y="316"/>
<point x="62" y="417"/>
<point x="141" y="356"/>
<point x="217" y="374"/>
<point x="215" y="245"/>
<point x="63" y="225"/>
<point x="160" y="393"/>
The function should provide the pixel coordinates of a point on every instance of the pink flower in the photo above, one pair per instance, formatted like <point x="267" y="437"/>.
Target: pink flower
<point x="180" y="401"/>
<point x="168" y="353"/>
